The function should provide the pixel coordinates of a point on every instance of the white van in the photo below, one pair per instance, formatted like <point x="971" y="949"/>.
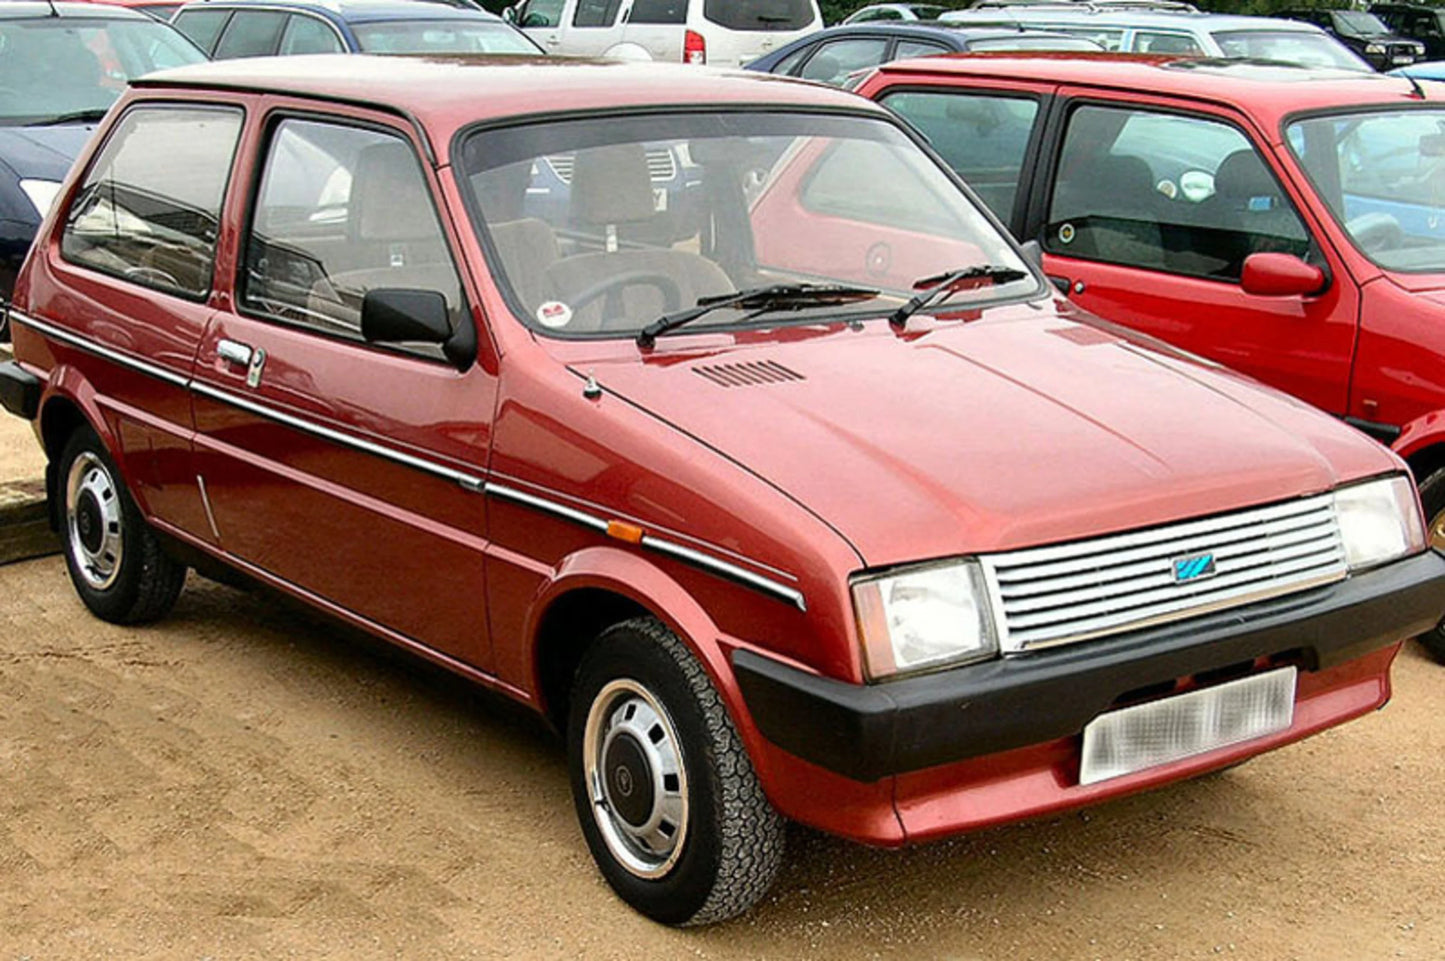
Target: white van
<point x="718" y="32"/>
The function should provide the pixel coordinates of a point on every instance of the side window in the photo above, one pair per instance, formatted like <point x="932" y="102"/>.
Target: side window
<point x="150" y="207"/>
<point x="917" y="48"/>
<point x="789" y="64"/>
<point x="1145" y="42"/>
<point x="540" y="13"/>
<point x="202" y="26"/>
<point x="596" y="13"/>
<point x="251" y="33"/>
<point x="658" y="11"/>
<point x="342" y="211"/>
<point x="1110" y="40"/>
<point x="983" y="138"/>
<point x="1167" y="192"/>
<point x="1430" y="26"/>
<point x="835" y="60"/>
<point x="305" y="34"/>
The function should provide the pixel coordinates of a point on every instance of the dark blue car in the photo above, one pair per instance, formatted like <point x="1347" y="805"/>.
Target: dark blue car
<point x="227" y="29"/>
<point x="61" y="67"/>
<point x="831" y="55"/>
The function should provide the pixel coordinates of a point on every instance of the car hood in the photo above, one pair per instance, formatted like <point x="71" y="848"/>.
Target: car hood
<point x="43" y="153"/>
<point x="993" y="435"/>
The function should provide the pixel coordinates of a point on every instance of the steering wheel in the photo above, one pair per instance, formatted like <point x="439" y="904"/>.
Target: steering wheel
<point x="664" y="284"/>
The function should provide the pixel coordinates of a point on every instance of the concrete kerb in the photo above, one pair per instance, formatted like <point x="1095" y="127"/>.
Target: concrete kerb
<point x="24" y="525"/>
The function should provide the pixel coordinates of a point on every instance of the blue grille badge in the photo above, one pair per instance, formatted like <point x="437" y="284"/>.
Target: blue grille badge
<point x="1193" y="568"/>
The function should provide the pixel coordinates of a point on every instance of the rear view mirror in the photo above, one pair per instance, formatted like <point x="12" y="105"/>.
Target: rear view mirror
<point x="397" y="316"/>
<point x="1281" y="275"/>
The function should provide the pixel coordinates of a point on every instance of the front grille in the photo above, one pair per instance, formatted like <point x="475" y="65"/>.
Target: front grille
<point x="661" y="166"/>
<point x="1070" y="592"/>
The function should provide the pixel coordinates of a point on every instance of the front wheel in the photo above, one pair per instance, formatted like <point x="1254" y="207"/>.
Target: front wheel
<point x="1432" y="497"/>
<point x="666" y="794"/>
<point x="115" y="560"/>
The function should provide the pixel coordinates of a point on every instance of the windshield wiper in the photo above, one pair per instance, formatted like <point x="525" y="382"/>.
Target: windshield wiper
<point x="932" y="289"/>
<point x="759" y="300"/>
<point x="75" y="116"/>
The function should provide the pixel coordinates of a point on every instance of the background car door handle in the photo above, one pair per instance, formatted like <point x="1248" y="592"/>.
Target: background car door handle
<point x="233" y="353"/>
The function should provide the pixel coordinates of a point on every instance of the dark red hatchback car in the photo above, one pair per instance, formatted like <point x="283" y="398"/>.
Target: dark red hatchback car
<point x="794" y="492"/>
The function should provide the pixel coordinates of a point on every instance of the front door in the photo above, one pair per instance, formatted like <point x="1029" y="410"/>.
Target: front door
<point x="349" y="470"/>
<point x="1147" y="219"/>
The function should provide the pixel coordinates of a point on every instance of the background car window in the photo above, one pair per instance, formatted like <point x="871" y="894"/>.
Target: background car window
<point x="983" y="138"/>
<point x="441" y="36"/>
<point x="1111" y="40"/>
<point x="917" y="48"/>
<point x="309" y="35"/>
<point x="659" y="11"/>
<point x="1145" y="42"/>
<point x="789" y="64"/>
<point x="596" y="13"/>
<point x="1166" y="192"/>
<point x="149" y="209"/>
<point x="251" y="33"/>
<point x="540" y="13"/>
<point x="342" y="211"/>
<point x="1307" y="49"/>
<point x="882" y="13"/>
<point x="760" y="14"/>
<point x="202" y="26"/>
<point x="838" y="58"/>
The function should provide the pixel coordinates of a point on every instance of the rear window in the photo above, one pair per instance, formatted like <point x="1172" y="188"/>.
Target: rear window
<point x="441" y="36"/>
<point x="659" y="11"/>
<point x="760" y="14"/>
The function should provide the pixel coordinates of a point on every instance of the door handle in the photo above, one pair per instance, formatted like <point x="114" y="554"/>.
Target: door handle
<point x="1060" y="282"/>
<point x="234" y="353"/>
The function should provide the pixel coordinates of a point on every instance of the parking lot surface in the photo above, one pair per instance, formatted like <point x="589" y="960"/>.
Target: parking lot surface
<point x="248" y="780"/>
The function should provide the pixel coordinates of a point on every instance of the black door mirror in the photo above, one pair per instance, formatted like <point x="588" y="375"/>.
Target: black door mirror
<point x="398" y="316"/>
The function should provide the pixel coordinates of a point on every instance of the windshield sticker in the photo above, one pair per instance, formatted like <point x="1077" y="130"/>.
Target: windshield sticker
<point x="1066" y="233"/>
<point x="554" y="315"/>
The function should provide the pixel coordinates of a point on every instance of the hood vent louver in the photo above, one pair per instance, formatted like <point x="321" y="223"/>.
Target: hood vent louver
<point x="749" y="374"/>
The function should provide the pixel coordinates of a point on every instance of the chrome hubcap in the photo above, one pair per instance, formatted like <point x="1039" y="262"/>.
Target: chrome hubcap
<point x="93" y="521"/>
<point x="1437" y="531"/>
<point x="635" y="777"/>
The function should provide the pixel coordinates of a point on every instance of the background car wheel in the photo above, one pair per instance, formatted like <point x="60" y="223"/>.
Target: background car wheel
<point x="1432" y="496"/>
<point x="665" y="792"/>
<point x="115" y="560"/>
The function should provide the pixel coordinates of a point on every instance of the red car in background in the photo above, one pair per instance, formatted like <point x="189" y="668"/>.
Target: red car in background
<point x="830" y="510"/>
<point x="1288" y="223"/>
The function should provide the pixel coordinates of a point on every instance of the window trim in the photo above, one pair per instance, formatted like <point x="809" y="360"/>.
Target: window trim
<point x="1039" y="216"/>
<point x="226" y="14"/>
<point x="346" y="47"/>
<point x="271" y="123"/>
<point x="237" y="11"/>
<point x="226" y="187"/>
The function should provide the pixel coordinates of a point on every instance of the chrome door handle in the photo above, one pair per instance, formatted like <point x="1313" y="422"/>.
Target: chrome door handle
<point x="234" y="353"/>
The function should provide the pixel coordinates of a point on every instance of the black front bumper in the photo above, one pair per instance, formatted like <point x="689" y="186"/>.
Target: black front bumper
<point x="868" y="732"/>
<point x="19" y="390"/>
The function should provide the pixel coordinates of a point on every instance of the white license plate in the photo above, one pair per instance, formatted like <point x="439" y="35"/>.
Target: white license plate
<point x="1148" y="735"/>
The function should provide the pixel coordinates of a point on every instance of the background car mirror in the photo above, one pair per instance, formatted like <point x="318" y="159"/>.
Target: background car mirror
<point x="391" y="316"/>
<point x="1281" y="275"/>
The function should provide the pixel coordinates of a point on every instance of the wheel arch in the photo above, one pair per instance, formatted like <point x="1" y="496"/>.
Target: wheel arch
<point x="68" y="405"/>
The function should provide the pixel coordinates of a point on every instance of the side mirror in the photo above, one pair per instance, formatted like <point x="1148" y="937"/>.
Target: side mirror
<point x="1281" y="275"/>
<point x="396" y="316"/>
<point x="1033" y="253"/>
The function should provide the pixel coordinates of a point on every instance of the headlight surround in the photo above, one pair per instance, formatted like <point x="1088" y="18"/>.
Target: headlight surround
<point x="1380" y="520"/>
<point x="924" y="617"/>
<point x="42" y="194"/>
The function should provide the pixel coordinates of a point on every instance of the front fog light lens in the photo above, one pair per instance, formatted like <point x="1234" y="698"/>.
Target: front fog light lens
<point x="922" y="618"/>
<point x="1379" y="521"/>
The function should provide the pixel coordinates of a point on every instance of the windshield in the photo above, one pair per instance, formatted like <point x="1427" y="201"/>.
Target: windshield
<point x="1383" y="177"/>
<point x="1358" y="23"/>
<point x="56" y="66"/>
<point x="1301" y="47"/>
<point x="442" y="36"/>
<point x="598" y="227"/>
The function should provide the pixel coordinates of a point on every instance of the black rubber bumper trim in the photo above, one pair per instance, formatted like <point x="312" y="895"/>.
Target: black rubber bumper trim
<point x="869" y="732"/>
<point x="19" y="390"/>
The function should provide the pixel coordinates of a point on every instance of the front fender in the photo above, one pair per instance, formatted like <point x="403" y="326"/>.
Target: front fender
<point x="1419" y="434"/>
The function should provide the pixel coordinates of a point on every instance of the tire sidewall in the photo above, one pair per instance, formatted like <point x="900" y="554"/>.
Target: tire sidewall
<point x="677" y="896"/>
<point x="115" y="602"/>
<point x="1432" y="499"/>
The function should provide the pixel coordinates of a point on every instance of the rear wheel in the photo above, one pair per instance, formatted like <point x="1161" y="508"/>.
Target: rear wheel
<point x="115" y="560"/>
<point x="666" y="794"/>
<point x="1432" y="496"/>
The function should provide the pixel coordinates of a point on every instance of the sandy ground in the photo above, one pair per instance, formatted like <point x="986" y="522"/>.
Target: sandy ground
<point x="248" y="781"/>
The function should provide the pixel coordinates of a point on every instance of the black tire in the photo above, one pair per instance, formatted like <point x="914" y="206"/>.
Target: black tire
<point x="1432" y="496"/>
<point x="115" y="560"/>
<point x="728" y="847"/>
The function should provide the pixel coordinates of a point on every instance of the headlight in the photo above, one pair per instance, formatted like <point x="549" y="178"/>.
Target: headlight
<point x="923" y="617"/>
<point x="1380" y="520"/>
<point x="1374" y="48"/>
<point x="42" y="194"/>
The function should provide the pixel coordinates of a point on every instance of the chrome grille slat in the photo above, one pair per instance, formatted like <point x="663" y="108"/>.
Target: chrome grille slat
<point x="1064" y="593"/>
